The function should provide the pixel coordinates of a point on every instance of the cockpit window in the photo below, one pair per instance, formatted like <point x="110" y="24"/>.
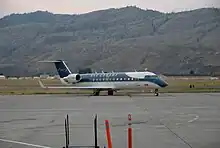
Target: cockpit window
<point x="151" y="76"/>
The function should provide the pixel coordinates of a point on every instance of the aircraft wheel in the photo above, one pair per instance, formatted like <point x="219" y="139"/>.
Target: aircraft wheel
<point x="156" y="92"/>
<point x="110" y="92"/>
<point x="96" y="92"/>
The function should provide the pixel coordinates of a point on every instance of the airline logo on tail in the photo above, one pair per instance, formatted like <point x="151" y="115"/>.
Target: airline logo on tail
<point x="62" y="70"/>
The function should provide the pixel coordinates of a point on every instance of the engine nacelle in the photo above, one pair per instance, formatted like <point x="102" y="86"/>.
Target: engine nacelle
<point x="72" y="78"/>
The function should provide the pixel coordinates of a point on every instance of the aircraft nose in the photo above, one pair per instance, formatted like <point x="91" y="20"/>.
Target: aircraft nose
<point x="164" y="84"/>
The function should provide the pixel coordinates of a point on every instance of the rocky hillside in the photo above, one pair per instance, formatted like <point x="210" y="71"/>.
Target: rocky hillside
<point x="114" y="39"/>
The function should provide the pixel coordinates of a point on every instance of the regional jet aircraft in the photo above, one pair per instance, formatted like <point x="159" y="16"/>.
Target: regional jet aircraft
<point x="110" y="82"/>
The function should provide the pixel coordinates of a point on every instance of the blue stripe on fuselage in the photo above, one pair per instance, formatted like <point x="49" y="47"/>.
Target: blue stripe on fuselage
<point x="119" y="77"/>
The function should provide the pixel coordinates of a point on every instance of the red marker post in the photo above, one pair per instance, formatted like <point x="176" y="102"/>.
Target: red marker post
<point x="108" y="135"/>
<point x="129" y="132"/>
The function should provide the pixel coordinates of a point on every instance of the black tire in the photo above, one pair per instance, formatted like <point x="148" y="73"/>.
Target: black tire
<point x="110" y="92"/>
<point x="96" y="92"/>
<point x="156" y="92"/>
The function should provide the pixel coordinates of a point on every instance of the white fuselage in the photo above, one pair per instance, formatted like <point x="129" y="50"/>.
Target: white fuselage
<point x="128" y="80"/>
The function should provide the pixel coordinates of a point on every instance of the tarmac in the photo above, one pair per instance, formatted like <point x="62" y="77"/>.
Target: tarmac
<point x="165" y="121"/>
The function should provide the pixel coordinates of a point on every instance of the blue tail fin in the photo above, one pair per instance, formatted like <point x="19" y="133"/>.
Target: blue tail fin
<point x="62" y="68"/>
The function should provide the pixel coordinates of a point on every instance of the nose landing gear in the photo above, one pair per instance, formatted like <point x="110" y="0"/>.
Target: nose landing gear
<point x="156" y="92"/>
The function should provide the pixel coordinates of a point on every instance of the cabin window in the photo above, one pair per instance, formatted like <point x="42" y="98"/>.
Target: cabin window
<point x="128" y="79"/>
<point x="120" y="78"/>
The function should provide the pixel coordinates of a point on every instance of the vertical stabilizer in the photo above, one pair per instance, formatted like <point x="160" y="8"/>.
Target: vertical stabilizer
<point x="61" y="67"/>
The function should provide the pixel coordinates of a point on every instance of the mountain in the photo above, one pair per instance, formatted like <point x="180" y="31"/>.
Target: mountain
<point x="120" y="39"/>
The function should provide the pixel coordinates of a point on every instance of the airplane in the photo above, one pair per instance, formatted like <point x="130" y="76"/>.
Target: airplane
<point x="110" y="81"/>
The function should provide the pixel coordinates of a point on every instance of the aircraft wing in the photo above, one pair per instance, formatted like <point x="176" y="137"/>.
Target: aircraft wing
<point x="73" y="87"/>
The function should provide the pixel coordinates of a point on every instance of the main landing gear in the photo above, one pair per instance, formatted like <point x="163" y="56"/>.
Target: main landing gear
<point x="156" y="92"/>
<point x="96" y="92"/>
<point x="110" y="92"/>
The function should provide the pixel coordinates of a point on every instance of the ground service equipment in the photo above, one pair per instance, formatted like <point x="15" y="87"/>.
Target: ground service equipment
<point x="67" y="135"/>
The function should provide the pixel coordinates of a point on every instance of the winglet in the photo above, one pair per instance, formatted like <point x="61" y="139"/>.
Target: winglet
<point x="41" y="84"/>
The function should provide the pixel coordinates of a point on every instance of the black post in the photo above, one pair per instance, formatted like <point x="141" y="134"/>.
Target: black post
<point x="95" y="131"/>
<point x="68" y="133"/>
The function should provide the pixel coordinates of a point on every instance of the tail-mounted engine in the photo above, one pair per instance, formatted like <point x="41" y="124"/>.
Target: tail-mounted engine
<point x="73" y="78"/>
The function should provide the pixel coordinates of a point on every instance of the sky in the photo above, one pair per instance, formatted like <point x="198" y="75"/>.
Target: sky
<point x="84" y="6"/>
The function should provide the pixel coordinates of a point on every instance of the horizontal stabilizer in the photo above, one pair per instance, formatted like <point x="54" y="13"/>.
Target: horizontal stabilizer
<point x="41" y="84"/>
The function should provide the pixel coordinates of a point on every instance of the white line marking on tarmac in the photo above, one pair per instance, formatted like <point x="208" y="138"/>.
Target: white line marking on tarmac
<point x="22" y="143"/>
<point x="198" y="107"/>
<point x="194" y="119"/>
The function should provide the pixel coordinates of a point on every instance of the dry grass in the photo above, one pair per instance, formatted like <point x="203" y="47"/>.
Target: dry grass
<point x="200" y="85"/>
<point x="31" y="87"/>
